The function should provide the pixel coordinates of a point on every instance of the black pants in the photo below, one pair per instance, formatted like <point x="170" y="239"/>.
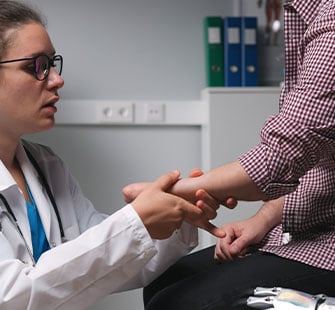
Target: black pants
<point x="198" y="282"/>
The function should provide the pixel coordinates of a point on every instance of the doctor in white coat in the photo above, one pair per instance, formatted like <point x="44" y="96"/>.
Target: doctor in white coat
<point x="56" y="250"/>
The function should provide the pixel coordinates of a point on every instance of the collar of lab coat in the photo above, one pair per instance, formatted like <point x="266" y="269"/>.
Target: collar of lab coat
<point x="6" y="179"/>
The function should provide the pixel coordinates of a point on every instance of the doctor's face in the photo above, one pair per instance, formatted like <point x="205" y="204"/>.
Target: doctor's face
<point x="27" y="105"/>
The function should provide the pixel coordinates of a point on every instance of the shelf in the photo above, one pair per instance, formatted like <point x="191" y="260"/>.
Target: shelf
<point x="263" y="89"/>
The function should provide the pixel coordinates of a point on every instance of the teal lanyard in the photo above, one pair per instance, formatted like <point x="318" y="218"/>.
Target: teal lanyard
<point x="38" y="237"/>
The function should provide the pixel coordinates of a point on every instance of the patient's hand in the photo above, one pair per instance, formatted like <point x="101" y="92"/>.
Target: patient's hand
<point x="239" y="236"/>
<point x="131" y="191"/>
<point x="238" y="239"/>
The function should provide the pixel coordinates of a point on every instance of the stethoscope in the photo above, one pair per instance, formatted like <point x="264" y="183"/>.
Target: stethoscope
<point x="49" y="193"/>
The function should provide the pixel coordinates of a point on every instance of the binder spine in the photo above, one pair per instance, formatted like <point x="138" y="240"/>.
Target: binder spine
<point x="232" y="51"/>
<point x="249" y="51"/>
<point x="213" y="29"/>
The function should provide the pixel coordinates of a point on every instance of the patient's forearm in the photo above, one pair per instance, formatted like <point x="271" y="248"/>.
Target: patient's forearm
<point x="225" y="181"/>
<point x="271" y="213"/>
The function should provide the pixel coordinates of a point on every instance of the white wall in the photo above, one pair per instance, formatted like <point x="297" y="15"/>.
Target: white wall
<point x="235" y="118"/>
<point x="105" y="158"/>
<point x="131" y="49"/>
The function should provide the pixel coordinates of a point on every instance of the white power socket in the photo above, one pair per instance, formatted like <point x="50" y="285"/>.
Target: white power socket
<point x="155" y="112"/>
<point x="116" y="112"/>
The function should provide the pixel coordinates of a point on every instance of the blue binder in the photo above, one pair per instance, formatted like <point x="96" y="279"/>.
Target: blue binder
<point x="249" y="51"/>
<point x="232" y="51"/>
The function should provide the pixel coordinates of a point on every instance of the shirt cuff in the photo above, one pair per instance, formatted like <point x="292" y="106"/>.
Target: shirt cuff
<point x="141" y="232"/>
<point x="267" y="170"/>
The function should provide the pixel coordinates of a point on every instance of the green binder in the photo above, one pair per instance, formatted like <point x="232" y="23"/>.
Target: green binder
<point x="213" y="26"/>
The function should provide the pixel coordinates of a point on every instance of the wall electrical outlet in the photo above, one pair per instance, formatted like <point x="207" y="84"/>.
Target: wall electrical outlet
<point x="116" y="112"/>
<point x="155" y="112"/>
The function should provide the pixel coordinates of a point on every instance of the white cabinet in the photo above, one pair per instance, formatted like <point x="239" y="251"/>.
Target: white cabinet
<point x="235" y="117"/>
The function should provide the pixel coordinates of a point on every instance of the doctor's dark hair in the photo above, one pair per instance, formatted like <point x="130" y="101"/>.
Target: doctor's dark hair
<point x="14" y="14"/>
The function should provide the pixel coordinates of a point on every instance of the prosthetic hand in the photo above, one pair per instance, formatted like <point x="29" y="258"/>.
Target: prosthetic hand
<point x="287" y="299"/>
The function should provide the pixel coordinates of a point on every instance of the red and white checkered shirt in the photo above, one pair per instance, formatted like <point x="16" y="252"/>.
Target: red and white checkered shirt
<point x="297" y="149"/>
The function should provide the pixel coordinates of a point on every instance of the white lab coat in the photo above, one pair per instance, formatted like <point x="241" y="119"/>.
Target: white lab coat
<point x="104" y="254"/>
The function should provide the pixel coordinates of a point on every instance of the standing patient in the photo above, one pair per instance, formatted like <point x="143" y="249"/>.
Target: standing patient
<point x="56" y="250"/>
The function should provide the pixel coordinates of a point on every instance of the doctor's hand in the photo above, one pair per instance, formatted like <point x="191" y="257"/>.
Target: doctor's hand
<point x="162" y="213"/>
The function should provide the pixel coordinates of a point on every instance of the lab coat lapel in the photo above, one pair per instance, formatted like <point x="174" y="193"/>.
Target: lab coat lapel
<point x="6" y="179"/>
<point x="15" y="199"/>
<point x="41" y="199"/>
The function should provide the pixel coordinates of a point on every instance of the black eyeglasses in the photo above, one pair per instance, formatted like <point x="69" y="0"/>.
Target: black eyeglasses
<point x="42" y="64"/>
